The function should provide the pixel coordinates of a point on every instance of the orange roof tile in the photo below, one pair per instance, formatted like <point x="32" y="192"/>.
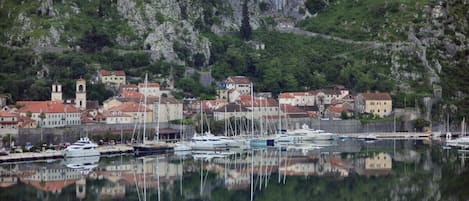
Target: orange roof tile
<point x="7" y="114"/>
<point x="149" y="85"/>
<point x="376" y="96"/>
<point x="337" y="109"/>
<point x="246" y="101"/>
<point x="286" y="95"/>
<point x="294" y="94"/>
<point x="238" y="80"/>
<point x="103" y="72"/>
<point x="46" y="107"/>
<point x="132" y="94"/>
<point x="213" y="104"/>
<point x="130" y="107"/>
<point x="291" y="109"/>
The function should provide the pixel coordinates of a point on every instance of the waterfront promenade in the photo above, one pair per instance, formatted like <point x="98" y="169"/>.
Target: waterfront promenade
<point x="46" y="155"/>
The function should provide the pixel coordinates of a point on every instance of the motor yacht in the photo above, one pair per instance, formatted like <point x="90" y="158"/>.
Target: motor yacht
<point x="81" y="148"/>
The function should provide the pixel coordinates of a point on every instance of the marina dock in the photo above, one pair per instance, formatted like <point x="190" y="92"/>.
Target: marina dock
<point x="33" y="156"/>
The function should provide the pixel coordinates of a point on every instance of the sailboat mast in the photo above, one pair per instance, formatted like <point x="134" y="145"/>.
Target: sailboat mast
<point x="201" y="117"/>
<point x="252" y="111"/>
<point x="182" y="123"/>
<point x="158" y="121"/>
<point x="261" y="117"/>
<point x="145" y="107"/>
<point x="279" y="119"/>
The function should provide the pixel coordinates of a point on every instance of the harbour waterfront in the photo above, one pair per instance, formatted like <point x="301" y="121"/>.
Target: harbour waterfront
<point x="338" y="170"/>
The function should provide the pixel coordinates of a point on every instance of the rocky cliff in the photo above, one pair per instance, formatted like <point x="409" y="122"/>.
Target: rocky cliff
<point x="163" y="27"/>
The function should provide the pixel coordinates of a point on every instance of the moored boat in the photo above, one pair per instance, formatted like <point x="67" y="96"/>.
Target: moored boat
<point x="81" y="148"/>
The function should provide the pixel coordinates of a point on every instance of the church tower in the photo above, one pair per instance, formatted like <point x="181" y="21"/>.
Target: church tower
<point x="56" y="94"/>
<point x="80" y="97"/>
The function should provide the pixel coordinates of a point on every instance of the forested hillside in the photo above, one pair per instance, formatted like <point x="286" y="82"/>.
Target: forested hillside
<point x="407" y="47"/>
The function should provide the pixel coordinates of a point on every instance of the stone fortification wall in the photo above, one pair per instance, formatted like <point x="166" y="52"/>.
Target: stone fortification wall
<point x="71" y="134"/>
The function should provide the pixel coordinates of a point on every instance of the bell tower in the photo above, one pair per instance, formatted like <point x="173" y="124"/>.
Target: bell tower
<point x="56" y="94"/>
<point x="80" y="97"/>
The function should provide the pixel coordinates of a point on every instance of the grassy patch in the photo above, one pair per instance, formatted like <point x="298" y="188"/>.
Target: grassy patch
<point x="386" y="20"/>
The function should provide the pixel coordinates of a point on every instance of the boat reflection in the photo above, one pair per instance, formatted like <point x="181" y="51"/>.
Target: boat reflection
<point x="202" y="174"/>
<point x="85" y="163"/>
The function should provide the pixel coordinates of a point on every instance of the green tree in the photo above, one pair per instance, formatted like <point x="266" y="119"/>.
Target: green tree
<point x="420" y="123"/>
<point x="93" y="41"/>
<point x="245" y="29"/>
<point x="315" y="6"/>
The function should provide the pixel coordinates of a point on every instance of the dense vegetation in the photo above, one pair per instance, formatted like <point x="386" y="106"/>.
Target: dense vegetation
<point x="289" y="62"/>
<point x="387" y="20"/>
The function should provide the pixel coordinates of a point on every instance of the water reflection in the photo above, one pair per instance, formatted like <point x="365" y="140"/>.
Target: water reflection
<point x="350" y="170"/>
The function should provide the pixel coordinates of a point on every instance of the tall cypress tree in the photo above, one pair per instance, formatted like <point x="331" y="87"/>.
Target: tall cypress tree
<point x="245" y="29"/>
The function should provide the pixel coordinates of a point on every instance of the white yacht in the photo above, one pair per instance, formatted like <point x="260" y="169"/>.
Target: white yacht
<point x="209" y="141"/>
<point x="304" y="134"/>
<point x="81" y="148"/>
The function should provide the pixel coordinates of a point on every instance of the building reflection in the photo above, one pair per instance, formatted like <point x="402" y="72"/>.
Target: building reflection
<point x="119" y="177"/>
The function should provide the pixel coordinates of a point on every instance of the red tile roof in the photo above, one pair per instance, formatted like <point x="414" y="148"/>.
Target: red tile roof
<point x="132" y="94"/>
<point x="130" y="107"/>
<point x="246" y="101"/>
<point x="286" y="95"/>
<point x="376" y="96"/>
<point x="149" y="85"/>
<point x="7" y="114"/>
<point x="294" y="94"/>
<point x="238" y="80"/>
<point x="103" y="72"/>
<point x="46" y="107"/>
<point x="213" y="104"/>
<point x="336" y="102"/>
<point x="287" y="108"/>
<point x="337" y="109"/>
<point x="232" y="107"/>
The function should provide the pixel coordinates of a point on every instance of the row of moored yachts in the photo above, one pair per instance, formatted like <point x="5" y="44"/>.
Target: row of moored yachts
<point x="208" y="141"/>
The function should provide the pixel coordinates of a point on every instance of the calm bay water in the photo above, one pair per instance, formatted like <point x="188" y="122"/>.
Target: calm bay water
<point x="343" y="170"/>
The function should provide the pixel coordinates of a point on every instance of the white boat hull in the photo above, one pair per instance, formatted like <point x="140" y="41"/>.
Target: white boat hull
<point x="81" y="153"/>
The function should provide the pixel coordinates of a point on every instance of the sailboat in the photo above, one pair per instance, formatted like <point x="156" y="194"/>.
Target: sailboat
<point x="463" y="141"/>
<point x="150" y="147"/>
<point x="183" y="147"/>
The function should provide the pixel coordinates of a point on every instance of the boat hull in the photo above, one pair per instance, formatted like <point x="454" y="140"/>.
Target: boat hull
<point x="81" y="153"/>
<point x="141" y="150"/>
